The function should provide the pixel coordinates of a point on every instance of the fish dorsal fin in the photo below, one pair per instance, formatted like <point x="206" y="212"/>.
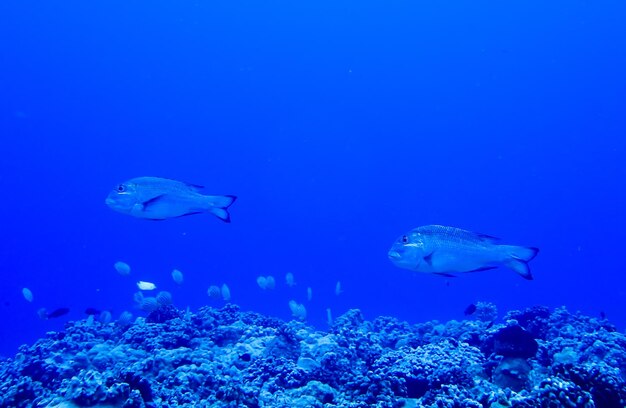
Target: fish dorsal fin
<point x="194" y="187"/>
<point x="487" y="238"/>
<point x="457" y="232"/>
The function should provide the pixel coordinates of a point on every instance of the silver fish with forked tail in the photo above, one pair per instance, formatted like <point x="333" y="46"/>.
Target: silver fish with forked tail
<point x="448" y="250"/>
<point x="157" y="198"/>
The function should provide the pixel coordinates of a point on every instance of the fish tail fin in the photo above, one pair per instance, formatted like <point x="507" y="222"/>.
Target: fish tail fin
<point x="218" y="206"/>
<point x="518" y="258"/>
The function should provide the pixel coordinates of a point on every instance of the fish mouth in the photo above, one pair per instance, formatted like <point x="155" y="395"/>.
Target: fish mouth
<point x="110" y="202"/>
<point x="394" y="255"/>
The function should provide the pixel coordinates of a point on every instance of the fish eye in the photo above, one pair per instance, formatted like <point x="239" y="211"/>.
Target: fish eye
<point x="121" y="188"/>
<point x="405" y="239"/>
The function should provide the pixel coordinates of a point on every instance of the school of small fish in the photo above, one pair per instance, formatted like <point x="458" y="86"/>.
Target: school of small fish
<point x="297" y="310"/>
<point x="266" y="282"/>
<point x="290" y="280"/>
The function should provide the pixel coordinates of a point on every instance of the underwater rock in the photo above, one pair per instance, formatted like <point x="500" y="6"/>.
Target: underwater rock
<point x="226" y="357"/>
<point x="514" y="341"/>
<point x="486" y="311"/>
<point x="555" y="392"/>
<point x="412" y="372"/>
<point x="512" y="372"/>
<point x="163" y="313"/>
<point x="534" y="320"/>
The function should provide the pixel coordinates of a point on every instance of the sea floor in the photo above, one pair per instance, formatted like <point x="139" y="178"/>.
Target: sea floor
<point x="229" y="358"/>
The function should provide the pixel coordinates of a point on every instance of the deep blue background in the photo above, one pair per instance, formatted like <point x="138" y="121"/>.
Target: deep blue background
<point x="339" y="124"/>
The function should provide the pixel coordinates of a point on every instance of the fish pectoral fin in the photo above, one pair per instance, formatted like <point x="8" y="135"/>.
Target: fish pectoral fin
<point x="447" y="275"/>
<point x="483" y="268"/>
<point x="429" y="258"/>
<point x="148" y="203"/>
<point x="192" y="213"/>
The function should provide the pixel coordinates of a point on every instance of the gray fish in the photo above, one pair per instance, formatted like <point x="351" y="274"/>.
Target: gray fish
<point x="157" y="198"/>
<point x="62" y="311"/>
<point x="448" y="250"/>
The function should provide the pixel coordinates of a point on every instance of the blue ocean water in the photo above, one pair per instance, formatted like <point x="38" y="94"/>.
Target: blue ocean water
<point x="339" y="125"/>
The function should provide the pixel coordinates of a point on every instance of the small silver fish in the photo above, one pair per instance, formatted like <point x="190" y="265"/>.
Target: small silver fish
<point x="157" y="198"/>
<point x="143" y="285"/>
<point x="28" y="295"/>
<point x="448" y="250"/>
<point x="122" y="268"/>
<point x="177" y="276"/>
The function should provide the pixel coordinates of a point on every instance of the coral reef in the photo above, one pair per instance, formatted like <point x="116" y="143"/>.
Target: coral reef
<point x="534" y="358"/>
